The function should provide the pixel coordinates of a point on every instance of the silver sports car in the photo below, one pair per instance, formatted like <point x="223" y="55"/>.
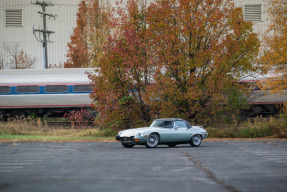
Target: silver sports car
<point x="169" y="131"/>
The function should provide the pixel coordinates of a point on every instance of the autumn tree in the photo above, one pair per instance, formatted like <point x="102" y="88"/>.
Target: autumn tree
<point x="124" y="71"/>
<point x="78" y="54"/>
<point x="275" y="46"/>
<point x="15" y="58"/>
<point x="89" y="35"/>
<point x="175" y="58"/>
<point x="99" y="29"/>
<point x="203" y="48"/>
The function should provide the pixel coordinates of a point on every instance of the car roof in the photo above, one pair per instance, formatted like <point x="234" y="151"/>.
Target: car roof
<point x="170" y="119"/>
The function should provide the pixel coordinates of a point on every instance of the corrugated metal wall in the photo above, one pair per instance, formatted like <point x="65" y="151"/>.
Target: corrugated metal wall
<point x="63" y="27"/>
<point x="258" y="26"/>
<point x="23" y="36"/>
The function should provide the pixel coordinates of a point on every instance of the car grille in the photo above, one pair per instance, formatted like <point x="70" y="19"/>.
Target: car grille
<point x="127" y="138"/>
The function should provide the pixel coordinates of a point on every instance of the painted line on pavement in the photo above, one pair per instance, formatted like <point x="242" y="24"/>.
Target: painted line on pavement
<point x="16" y="163"/>
<point x="11" y="167"/>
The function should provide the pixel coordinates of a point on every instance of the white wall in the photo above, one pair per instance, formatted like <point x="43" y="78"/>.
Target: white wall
<point x="23" y="36"/>
<point x="258" y="26"/>
<point x="63" y="27"/>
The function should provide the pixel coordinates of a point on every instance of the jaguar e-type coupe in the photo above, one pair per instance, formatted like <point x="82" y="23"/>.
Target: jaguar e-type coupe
<point x="169" y="131"/>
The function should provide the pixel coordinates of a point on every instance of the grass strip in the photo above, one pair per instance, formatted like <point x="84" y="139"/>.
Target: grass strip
<point x="42" y="138"/>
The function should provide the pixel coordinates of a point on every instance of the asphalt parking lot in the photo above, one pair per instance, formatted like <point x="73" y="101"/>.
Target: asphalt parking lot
<point x="214" y="166"/>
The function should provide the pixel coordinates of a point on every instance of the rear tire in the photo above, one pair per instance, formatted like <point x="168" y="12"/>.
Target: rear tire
<point x="195" y="140"/>
<point x="128" y="145"/>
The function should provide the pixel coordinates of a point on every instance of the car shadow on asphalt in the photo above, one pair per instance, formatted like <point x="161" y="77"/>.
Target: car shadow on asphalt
<point x="166" y="147"/>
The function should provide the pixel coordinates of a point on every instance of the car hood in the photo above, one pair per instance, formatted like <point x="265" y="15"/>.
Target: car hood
<point x="133" y="132"/>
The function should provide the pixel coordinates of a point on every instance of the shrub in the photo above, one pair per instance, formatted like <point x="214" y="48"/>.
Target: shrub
<point x="107" y="133"/>
<point x="80" y="118"/>
<point x="279" y="126"/>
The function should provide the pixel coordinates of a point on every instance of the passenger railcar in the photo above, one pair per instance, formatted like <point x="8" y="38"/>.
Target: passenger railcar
<point x="58" y="91"/>
<point x="49" y="91"/>
<point x="262" y="102"/>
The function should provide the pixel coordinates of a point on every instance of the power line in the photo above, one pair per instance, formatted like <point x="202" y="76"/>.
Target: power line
<point x="26" y="5"/>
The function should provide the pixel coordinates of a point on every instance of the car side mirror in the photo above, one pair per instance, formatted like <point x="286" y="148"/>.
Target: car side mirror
<point x="176" y="127"/>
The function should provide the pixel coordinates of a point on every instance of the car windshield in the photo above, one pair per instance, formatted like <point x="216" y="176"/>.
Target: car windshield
<point x="162" y="124"/>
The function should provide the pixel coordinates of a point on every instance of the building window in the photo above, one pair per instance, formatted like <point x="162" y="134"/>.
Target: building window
<point x="14" y="18"/>
<point x="252" y="12"/>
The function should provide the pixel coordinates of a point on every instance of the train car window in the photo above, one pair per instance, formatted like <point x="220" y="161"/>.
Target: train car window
<point x="255" y="86"/>
<point x="4" y="89"/>
<point x="56" y="88"/>
<point x="28" y="89"/>
<point x="82" y="88"/>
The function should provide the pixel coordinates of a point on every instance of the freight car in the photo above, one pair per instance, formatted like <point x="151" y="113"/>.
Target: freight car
<point x="39" y="92"/>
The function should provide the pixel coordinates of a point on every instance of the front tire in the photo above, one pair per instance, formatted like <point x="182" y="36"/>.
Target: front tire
<point x="195" y="140"/>
<point x="152" y="141"/>
<point x="128" y="145"/>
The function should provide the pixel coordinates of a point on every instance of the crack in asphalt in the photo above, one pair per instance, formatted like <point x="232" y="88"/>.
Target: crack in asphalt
<point x="209" y="174"/>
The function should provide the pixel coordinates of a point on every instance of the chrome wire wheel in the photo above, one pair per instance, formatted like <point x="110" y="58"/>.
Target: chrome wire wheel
<point x="152" y="141"/>
<point x="195" y="140"/>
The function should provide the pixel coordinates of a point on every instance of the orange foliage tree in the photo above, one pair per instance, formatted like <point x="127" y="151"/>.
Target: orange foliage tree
<point x="124" y="71"/>
<point x="203" y="48"/>
<point x="99" y="29"/>
<point x="16" y="59"/>
<point x="173" y="59"/>
<point x="275" y="46"/>
<point x="89" y="35"/>
<point x="78" y="55"/>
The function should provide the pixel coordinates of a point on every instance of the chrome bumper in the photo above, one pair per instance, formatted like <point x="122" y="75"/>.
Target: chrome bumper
<point x="132" y="139"/>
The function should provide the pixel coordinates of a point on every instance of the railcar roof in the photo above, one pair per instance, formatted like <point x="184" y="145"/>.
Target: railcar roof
<point x="32" y="76"/>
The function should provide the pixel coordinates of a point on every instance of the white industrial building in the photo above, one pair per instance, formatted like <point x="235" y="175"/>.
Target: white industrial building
<point x="19" y="17"/>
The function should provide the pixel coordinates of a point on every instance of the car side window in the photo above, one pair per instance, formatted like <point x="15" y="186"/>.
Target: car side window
<point x="180" y="124"/>
<point x="188" y="125"/>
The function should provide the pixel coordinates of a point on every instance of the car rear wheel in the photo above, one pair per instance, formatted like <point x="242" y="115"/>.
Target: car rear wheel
<point x="195" y="140"/>
<point x="152" y="141"/>
<point x="128" y="145"/>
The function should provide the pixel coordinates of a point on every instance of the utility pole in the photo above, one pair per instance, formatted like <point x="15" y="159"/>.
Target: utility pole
<point x="44" y="31"/>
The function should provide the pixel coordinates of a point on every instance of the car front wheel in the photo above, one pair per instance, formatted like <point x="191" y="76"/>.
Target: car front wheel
<point x="195" y="140"/>
<point x="152" y="141"/>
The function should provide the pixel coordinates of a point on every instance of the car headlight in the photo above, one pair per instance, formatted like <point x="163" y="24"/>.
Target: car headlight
<point x="204" y="134"/>
<point x="139" y="135"/>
